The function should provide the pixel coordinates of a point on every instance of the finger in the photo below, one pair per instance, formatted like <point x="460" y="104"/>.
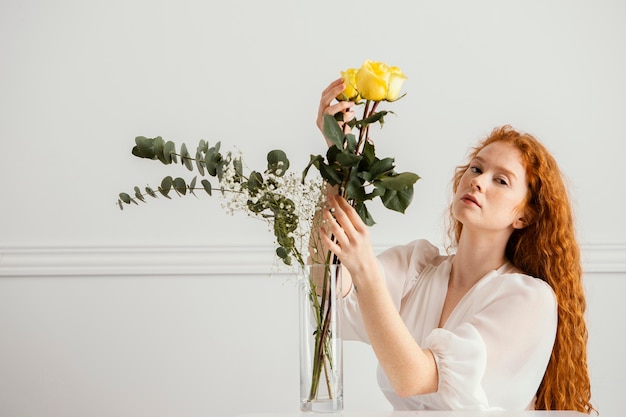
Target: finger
<point x="334" y="83"/>
<point x="341" y="215"/>
<point x="330" y="244"/>
<point x="338" y="236"/>
<point x="341" y="106"/>
<point x="350" y="213"/>
<point x="330" y="94"/>
<point x="332" y="224"/>
<point x="333" y="86"/>
<point x="332" y="228"/>
<point x="349" y="113"/>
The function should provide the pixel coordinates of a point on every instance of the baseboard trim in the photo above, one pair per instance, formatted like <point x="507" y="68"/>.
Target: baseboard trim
<point x="199" y="261"/>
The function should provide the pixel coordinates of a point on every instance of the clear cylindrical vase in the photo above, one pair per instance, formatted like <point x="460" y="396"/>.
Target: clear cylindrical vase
<point x="321" y="349"/>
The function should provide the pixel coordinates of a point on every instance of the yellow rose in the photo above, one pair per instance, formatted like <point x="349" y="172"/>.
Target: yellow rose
<point x="377" y="81"/>
<point x="350" y="93"/>
<point x="371" y="80"/>
<point x="396" y="79"/>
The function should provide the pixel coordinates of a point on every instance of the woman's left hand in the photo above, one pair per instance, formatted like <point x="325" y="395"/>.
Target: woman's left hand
<point x="347" y="236"/>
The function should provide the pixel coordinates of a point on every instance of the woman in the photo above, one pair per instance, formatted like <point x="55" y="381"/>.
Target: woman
<point x="498" y="325"/>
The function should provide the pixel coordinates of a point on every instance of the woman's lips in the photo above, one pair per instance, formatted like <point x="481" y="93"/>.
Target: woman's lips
<point x="470" y="199"/>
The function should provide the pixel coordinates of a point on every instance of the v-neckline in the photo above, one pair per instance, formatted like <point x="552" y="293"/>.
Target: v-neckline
<point x="441" y="324"/>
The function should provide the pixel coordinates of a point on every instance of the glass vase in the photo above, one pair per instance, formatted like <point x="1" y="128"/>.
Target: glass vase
<point x="321" y="349"/>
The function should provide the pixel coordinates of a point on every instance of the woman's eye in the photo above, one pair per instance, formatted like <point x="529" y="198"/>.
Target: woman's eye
<point x="475" y="170"/>
<point x="502" y="181"/>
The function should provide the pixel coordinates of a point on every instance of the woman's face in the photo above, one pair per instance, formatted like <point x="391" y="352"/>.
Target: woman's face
<point x="491" y="195"/>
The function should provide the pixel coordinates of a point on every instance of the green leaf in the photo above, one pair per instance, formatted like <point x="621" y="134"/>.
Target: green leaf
<point x="138" y="194"/>
<point x="277" y="162"/>
<point x="369" y="153"/>
<point x="354" y="187"/>
<point x="166" y="186"/>
<point x="200" y="162"/>
<point x="164" y="193"/>
<point x="376" y="117"/>
<point x="332" y="131"/>
<point x="351" y="143"/>
<point x="331" y="154"/>
<point x="255" y="181"/>
<point x="207" y="186"/>
<point x="144" y="147"/>
<point x="364" y="213"/>
<point x="238" y="165"/>
<point x="330" y="175"/>
<point x="398" y="200"/>
<point x="348" y="160"/>
<point x="150" y="192"/>
<point x="381" y="166"/>
<point x="376" y="192"/>
<point x="212" y="159"/>
<point x="399" y="181"/>
<point x="157" y="147"/>
<point x="186" y="157"/>
<point x="180" y="186"/>
<point x="203" y="145"/>
<point x="169" y="152"/>
<point x="192" y="185"/>
<point x="221" y="164"/>
<point x="314" y="160"/>
<point x="282" y="252"/>
<point x="125" y="198"/>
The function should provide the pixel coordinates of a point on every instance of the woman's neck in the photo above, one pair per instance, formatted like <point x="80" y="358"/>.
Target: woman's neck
<point x="476" y="255"/>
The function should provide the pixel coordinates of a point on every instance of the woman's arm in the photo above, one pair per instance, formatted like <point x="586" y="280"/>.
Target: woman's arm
<point x="410" y="369"/>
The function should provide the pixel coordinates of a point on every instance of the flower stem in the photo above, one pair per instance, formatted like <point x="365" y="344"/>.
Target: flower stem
<point x="323" y="351"/>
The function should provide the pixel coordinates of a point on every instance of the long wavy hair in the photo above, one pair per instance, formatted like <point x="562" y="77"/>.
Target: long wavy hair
<point x="547" y="248"/>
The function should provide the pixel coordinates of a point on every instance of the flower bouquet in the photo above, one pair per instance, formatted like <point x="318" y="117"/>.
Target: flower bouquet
<point x="288" y="202"/>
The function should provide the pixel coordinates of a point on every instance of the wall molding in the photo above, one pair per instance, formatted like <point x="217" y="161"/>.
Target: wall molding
<point x="199" y="261"/>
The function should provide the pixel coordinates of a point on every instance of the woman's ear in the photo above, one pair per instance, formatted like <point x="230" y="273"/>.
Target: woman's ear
<point x="525" y="217"/>
<point x="519" y="223"/>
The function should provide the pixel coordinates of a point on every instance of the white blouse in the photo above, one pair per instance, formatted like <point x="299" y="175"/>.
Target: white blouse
<point x="493" y="349"/>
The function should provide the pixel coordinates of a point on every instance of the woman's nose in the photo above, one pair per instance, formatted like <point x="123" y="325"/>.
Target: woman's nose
<point x="474" y="183"/>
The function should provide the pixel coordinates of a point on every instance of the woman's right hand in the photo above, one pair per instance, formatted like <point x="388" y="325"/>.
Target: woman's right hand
<point x="327" y="107"/>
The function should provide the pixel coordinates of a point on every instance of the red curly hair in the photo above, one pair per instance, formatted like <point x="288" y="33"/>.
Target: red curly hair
<point x="547" y="249"/>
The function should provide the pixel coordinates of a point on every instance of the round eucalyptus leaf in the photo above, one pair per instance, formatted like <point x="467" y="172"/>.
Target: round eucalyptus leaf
<point x="200" y="163"/>
<point x="282" y="252"/>
<point x="166" y="186"/>
<point x="180" y="186"/>
<point x="169" y="152"/>
<point x="207" y="186"/>
<point x="157" y="148"/>
<point x="125" y="198"/>
<point x="138" y="194"/>
<point x="185" y="157"/>
<point x="150" y="192"/>
<point x="277" y="162"/>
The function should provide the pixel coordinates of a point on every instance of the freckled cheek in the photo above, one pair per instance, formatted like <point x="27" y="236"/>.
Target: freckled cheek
<point x="463" y="183"/>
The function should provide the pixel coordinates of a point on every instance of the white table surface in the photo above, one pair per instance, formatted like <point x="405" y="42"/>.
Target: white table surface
<point x="426" y="414"/>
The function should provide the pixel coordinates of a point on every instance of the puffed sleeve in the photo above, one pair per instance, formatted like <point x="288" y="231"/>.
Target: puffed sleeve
<point x="397" y="265"/>
<point x="495" y="351"/>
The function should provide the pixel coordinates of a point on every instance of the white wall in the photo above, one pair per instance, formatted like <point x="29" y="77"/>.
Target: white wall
<point x="169" y="309"/>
